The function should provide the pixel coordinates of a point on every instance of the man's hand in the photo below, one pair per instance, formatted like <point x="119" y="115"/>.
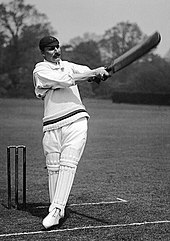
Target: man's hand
<point x="100" y="75"/>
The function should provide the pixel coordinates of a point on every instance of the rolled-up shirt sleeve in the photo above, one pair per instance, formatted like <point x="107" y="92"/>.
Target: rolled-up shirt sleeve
<point x="80" y="69"/>
<point x="53" y="79"/>
<point x="47" y="79"/>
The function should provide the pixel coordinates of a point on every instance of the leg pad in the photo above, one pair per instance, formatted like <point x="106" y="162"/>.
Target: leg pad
<point x="52" y="163"/>
<point x="68" y="165"/>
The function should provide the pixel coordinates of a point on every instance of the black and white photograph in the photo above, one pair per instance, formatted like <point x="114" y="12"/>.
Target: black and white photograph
<point x="85" y="120"/>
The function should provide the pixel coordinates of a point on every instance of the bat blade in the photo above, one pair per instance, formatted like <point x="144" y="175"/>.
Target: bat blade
<point x="135" y="53"/>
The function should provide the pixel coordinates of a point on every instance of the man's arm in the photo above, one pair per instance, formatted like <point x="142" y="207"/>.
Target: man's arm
<point x="46" y="79"/>
<point x="89" y="75"/>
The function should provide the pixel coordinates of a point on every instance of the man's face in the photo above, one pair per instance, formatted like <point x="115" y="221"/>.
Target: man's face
<point x="52" y="54"/>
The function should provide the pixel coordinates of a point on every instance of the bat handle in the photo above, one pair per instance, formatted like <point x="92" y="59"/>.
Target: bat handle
<point x="108" y="68"/>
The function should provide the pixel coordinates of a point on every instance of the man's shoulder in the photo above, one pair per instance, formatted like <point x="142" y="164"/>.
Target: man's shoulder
<point x="69" y="64"/>
<point x="42" y="66"/>
<point x="65" y="62"/>
<point x="45" y="65"/>
<point x="52" y="65"/>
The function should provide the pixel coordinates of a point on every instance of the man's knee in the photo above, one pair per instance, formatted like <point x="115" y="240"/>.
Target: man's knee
<point x="53" y="161"/>
<point x="70" y="157"/>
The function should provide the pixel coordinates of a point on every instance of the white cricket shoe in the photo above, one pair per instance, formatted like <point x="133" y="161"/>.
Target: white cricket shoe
<point x="52" y="218"/>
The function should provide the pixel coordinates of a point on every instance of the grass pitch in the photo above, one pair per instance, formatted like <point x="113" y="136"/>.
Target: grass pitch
<point x="126" y="157"/>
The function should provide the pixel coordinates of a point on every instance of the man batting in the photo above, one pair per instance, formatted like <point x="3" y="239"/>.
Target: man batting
<point x="64" y="122"/>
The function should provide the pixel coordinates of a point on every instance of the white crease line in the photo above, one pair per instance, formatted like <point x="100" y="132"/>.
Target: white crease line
<point x="122" y="200"/>
<point x="99" y="203"/>
<point x="119" y="200"/>
<point x="84" y="228"/>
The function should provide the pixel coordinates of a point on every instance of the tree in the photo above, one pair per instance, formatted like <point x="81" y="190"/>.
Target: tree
<point x="22" y="26"/>
<point x="2" y="45"/>
<point x="119" y="39"/>
<point x="85" y="38"/>
<point x="87" y="53"/>
<point x="149" y="76"/>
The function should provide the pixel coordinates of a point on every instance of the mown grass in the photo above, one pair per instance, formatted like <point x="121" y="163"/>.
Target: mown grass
<point x="126" y="156"/>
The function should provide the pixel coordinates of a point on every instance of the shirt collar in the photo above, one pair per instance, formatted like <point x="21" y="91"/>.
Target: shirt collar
<point x="55" y="66"/>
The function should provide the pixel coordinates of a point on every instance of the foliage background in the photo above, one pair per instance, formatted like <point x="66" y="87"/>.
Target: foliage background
<point x="22" y="26"/>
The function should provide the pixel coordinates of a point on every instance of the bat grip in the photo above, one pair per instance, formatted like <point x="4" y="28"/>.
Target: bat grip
<point x="108" y="68"/>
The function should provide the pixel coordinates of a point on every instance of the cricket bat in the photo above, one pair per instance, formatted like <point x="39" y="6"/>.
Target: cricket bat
<point x="134" y="53"/>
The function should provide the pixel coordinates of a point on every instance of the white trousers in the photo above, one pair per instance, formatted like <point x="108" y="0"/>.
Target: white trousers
<point x="73" y="135"/>
<point x="63" y="149"/>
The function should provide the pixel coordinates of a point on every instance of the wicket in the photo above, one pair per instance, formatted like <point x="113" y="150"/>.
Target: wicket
<point x="16" y="158"/>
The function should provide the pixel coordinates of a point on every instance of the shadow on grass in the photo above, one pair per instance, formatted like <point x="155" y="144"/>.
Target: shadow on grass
<point x="101" y="220"/>
<point x="41" y="210"/>
<point x="37" y="209"/>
